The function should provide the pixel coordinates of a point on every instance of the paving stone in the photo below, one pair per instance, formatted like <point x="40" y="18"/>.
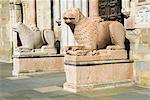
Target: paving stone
<point x="2" y="98"/>
<point x="132" y="96"/>
<point x="62" y="93"/>
<point x="17" y="78"/>
<point x="5" y="94"/>
<point x="70" y="97"/>
<point x="5" y="70"/>
<point x="111" y="92"/>
<point x="42" y="98"/>
<point x="48" y="89"/>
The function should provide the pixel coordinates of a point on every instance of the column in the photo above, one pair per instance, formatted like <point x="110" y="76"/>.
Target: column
<point x="70" y="37"/>
<point x="93" y="8"/>
<point x="78" y="4"/>
<point x="11" y="18"/>
<point x="43" y="9"/>
<point x="126" y="7"/>
<point x="17" y="8"/>
<point x="57" y="15"/>
<point x="32" y="13"/>
<point x="63" y="26"/>
<point x="85" y="7"/>
<point x="17" y="17"/>
<point x="25" y="11"/>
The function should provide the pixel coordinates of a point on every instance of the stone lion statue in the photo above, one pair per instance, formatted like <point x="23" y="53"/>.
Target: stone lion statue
<point x="33" y="38"/>
<point x="94" y="33"/>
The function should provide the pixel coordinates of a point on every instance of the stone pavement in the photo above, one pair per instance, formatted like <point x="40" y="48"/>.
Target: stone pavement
<point x="49" y="87"/>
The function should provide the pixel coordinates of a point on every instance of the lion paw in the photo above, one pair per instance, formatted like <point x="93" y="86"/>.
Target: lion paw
<point x="114" y="47"/>
<point x="23" y="49"/>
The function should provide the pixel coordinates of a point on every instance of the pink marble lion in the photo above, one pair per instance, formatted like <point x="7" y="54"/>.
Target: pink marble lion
<point x="93" y="33"/>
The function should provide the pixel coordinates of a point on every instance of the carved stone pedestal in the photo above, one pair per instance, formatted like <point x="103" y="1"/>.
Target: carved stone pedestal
<point x="34" y="63"/>
<point x="89" y="75"/>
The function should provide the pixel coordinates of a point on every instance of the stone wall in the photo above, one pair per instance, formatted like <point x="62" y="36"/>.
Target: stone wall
<point x="138" y="32"/>
<point x="5" y="36"/>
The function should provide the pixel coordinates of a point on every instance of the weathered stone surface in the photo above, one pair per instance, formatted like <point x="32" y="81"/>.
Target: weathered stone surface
<point x="142" y="69"/>
<point x="144" y="36"/>
<point x="37" y="64"/>
<point x="31" y="53"/>
<point x="144" y="78"/>
<point x="130" y="23"/>
<point x="5" y="36"/>
<point x="97" y="55"/>
<point x="94" y="33"/>
<point x="84" y="77"/>
<point x="48" y="49"/>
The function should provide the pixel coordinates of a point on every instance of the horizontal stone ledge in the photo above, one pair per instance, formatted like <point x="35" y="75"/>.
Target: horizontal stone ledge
<point x="37" y="56"/>
<point x="88" y="63"/>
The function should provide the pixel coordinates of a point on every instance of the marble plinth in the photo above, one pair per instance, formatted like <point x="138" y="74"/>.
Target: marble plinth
<point x="90" y="75"/>
<point x="34" y="64"/>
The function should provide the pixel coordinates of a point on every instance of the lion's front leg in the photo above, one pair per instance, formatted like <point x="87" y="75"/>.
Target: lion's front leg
<point x="74" y="48"/>
<point x="117" y="34"/>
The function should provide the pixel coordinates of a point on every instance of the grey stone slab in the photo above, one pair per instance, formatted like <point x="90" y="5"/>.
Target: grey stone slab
<point x="44" y="98"/>
<point x="70" y="97"/>
<point x="5" y="94"/>
<point x="17" y="98"/>
<point x="48" y="89"/>
<point x="37" y="95"/>
<point x="145" y="92"/>
<point x="1" y="98"/>
<point x="5" y="70"/>
<point x="104" y="98"/>
<point x="62" y="93"/>
<point x="30" y="83"/>
<point x="111" y="92"/>
<point x="17" y="78"/>
<point x="132" y="96"/>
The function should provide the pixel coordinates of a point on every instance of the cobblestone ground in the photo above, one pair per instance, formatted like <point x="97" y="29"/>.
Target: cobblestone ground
<point x="49" y="87"/>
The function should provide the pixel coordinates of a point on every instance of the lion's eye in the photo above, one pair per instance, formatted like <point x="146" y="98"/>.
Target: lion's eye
<point x="71" y="18"/>
<point x="65" y="18"/>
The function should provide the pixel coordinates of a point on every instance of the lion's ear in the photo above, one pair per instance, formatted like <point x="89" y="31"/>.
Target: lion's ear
<point x="78" y="14"/>
<point x="77" y="9"/>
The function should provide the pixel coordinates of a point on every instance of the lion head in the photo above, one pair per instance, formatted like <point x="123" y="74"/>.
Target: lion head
<point x="72" y="16"/>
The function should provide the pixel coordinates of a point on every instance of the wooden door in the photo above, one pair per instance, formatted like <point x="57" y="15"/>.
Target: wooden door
<point x="110" y="10"/>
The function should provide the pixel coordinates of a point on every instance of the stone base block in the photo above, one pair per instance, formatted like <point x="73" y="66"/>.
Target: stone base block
<point x="23" y="65"/>
<point x="91" y="75"/>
